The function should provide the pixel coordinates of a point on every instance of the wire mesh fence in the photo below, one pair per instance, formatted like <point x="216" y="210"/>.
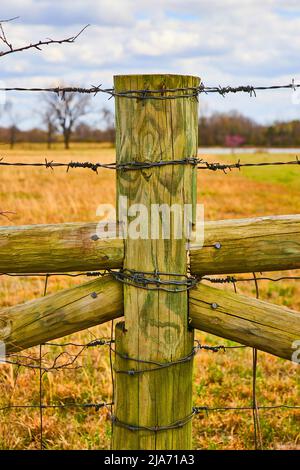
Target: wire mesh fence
<point x="69" y="356"/>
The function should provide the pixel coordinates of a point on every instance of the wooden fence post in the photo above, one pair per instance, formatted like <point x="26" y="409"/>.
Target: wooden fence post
<point x="156" y="322"/>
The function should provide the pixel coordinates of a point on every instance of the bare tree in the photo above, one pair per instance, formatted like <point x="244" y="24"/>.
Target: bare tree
<point x="13" y="123"/>
<point x="49" y="121"/>
<point x="67" y="111"/>
<point x="109" y="119"/>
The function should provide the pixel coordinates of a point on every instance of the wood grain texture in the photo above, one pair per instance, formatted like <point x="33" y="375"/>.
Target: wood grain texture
<point x="248" y="321"/>
<point x="267" y="327"/>
<point x="156" y="327"/>
<point x="60" y="314"/>
<point x="248" y="245"/>
<point x="57" y="248"/>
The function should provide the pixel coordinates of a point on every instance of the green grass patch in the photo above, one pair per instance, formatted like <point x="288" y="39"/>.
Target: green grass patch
<point x="285" y="174"/>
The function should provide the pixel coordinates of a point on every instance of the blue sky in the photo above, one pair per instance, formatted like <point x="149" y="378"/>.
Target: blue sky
<point x="224" y="42"/>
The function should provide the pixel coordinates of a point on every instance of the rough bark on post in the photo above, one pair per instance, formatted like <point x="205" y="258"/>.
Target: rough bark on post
<point x="156" y="322"/>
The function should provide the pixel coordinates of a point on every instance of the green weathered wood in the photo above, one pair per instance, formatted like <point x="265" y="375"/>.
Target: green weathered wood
<point x="248" y="321"/>
<point x="60" y="314"/>
<point x="267" y="327"/>
<point x="57" y="248"/>
<point x="156" y="327"/>
<point x="248" y="245"/>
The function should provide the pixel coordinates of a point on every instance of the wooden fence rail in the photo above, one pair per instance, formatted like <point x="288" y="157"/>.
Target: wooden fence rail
<point x="246" y="245"/>
<point x="60" y="314"/>
<point x="57" y="248"/>
<point x="248" y="321"/>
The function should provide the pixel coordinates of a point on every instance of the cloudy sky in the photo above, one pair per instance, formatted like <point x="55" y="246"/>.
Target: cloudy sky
<point x="222" y="41"/>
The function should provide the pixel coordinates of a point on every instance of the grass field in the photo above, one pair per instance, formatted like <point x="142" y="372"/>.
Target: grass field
<point x="221" y="379"/>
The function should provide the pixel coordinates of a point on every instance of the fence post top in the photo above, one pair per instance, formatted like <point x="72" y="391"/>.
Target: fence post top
<point x="148" y="75"/>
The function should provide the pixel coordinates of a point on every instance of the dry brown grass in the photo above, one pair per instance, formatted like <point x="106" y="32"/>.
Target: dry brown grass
<point x="221" y="379"/>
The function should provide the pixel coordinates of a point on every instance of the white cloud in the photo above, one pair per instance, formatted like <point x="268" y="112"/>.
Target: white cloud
<point x="225" y="42"/>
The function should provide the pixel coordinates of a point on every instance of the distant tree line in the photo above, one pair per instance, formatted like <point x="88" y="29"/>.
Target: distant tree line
<point x="235" y="130"/>
<point x="61" y="121"/>
<point x="82" y="133"/>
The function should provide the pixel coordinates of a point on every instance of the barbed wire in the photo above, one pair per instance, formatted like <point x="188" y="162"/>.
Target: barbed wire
<point x="238" y="165"/>
<point x="144" y="279"/>
<point x="51" y="164"/>
<point x="233" y="279"/>
<point x="152" y="280"/>
<point x="94" y="166"/>
<point x="135" y="165"/>
<point x="154" y="94"/>
<point x="250" y="89"/>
